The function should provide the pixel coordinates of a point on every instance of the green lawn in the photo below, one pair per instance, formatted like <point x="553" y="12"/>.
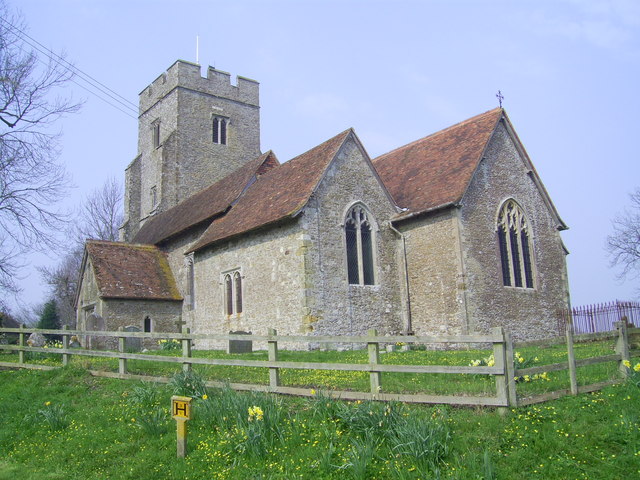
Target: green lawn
<point x="68" y="424"/>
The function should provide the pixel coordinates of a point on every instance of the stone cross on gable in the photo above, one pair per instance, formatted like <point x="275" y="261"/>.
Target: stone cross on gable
<point x="500" y="97"/>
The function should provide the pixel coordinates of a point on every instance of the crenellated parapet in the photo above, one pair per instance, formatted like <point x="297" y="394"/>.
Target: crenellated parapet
<point x="188" y="75"/>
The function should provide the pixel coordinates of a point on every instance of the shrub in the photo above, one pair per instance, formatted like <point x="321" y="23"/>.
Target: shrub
<point x="188" y="384"/>
<point x="145" y="409"/>
<point x="170" y="345"/>
<point x="54" y="416"/>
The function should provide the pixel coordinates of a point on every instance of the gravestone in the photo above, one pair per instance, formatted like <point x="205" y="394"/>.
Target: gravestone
<point x="240" y="346"/>
<point x="132" y="344"/>
<point x="36" y="339"/>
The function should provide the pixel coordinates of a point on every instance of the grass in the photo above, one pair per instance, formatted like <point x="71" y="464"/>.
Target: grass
<point x="257" y="436"/>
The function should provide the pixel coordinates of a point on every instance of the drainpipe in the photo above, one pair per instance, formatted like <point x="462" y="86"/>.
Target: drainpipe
<point x="406" y="300"/>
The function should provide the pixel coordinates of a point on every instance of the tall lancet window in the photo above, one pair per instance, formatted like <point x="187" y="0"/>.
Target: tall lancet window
<point x="514" y="240"/>
<point x="360" y="244"/>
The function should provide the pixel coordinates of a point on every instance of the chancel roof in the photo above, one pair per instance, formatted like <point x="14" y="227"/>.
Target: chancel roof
<point x="436" y="170"/>
<point x="131" y="271"/>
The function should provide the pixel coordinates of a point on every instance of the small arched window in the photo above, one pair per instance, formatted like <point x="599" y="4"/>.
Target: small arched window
<point x="359" y="242"/>
<point x="220" y="130"/>
<point x="232" y="293"/>
<point x="515" y="246"/>
<point x="147" y="324"/>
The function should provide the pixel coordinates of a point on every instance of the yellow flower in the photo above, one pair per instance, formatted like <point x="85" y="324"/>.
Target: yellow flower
<point x="626" y="363"/>
<point x="255" y="413"/>
<point x="637" y="367"/>
<point x="313" y="392"/>
<point x="46" y="404"/>
<point x="205" y="396"/>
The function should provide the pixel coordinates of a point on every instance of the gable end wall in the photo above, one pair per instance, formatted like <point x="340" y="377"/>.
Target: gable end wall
<point x="526" y="313"/>
<point x="333" y="307"/>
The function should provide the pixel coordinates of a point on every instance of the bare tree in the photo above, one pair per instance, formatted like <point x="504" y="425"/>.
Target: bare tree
<point x="99" y="218"/>
<point x="32" y="182"/>
<point x="101" y="213"/>
<point x="623" y="244"/>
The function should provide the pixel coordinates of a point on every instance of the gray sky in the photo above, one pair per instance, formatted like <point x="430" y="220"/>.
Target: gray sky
<point x="395" y="71"/>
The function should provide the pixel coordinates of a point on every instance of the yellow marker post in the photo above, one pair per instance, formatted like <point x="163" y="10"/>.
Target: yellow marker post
<point x="181" y="412"/>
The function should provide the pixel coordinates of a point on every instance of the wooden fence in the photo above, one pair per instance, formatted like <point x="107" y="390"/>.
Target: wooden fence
<point x="504" y="370"/>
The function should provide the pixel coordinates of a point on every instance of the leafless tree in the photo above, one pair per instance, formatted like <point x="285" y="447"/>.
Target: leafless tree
<point x="32" y="181"/>
<point x="623" y="244"/>
<point x="101" y="213"/>
<point x="99" y="218"/>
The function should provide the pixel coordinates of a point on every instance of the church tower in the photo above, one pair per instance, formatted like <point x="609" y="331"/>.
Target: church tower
<point x="192" y="132"/>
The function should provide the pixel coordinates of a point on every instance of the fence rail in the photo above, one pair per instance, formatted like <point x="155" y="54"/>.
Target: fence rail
<point x="504" y="371"/>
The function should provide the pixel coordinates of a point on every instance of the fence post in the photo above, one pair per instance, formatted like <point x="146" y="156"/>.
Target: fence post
<point x="499" y="348"/>
<point x="511" y="371"/>
<point x="622" y="346"/>
<point x="186" y="349"/>
<point x="374" y="358"/>
<point x="65" y="345"/>
<point x="122" y="362"/>
<point x="21" y="343"/>
<point x="274" y="372"/>
<point x="571" y="357"/>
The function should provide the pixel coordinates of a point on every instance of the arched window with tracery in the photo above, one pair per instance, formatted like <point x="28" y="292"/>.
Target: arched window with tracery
<point x="360" y="244"/>
<point x="514" y="239"/>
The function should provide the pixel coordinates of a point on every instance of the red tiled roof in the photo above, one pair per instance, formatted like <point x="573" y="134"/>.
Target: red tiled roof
<point x="436" y="170"/>
<point x="124" y="270"/>
<point x="280" y="193"/>
<point x="206" y="204"/>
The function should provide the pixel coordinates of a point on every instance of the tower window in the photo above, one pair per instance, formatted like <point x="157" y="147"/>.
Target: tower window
<point x="359" y="242"/>
<point x="154" y="197"/>
<point x="515" y="246"/>
<point x="155" y="133"/>
<point x="220" y="130"/>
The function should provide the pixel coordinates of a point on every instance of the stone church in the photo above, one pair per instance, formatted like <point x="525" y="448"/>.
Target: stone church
<point x="451" y="234"/>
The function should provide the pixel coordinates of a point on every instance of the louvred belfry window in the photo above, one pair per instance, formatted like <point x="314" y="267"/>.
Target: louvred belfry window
<point x="359" y="242"/>
<point x="515" y="246"/>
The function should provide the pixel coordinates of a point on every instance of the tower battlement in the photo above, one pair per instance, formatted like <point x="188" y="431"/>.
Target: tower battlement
<point x="188" y="75"/>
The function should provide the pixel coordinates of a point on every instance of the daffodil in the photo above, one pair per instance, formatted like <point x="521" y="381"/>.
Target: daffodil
<point x="626" y="363"/>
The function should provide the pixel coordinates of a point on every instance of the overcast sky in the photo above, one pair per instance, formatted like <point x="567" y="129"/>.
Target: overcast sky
<point x="395" y="71"/>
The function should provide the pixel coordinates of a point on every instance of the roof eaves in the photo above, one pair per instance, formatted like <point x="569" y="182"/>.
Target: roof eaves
<point x="428" y="211"/>
<point x="195" y="247"/>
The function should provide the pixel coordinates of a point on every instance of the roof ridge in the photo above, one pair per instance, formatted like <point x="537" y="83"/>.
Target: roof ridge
<point x="444" y="130"/>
